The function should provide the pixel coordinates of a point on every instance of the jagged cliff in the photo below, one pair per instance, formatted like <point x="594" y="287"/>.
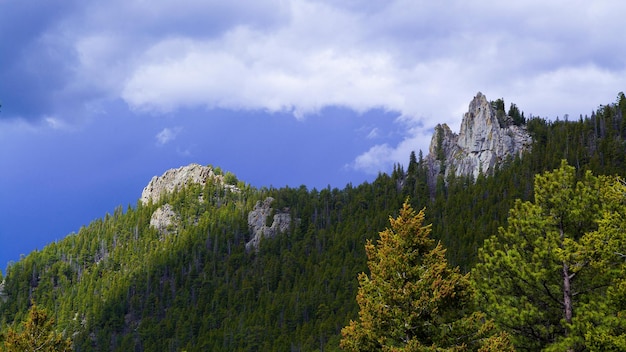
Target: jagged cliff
<point x="483" y="142"/>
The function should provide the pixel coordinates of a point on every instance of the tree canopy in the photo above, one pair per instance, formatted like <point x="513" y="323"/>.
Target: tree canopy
<point x="36" y="334"/>
<point x="413" y="300"/>
<point x="551" y="276"/>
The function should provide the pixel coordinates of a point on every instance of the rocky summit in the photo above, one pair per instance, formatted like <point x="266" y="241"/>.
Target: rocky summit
<point x="166" y="219"/>
<point x="483" y="142"/>
<point x="178" y="178"/>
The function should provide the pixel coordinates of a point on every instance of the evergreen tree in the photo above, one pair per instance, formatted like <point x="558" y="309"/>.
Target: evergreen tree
<point x="413" y="300"/>
<point x="516" y="115"/>
<point x="412" y="163"/>
<point x="37" y="334"/>
<point x="498" y="106"/>
<point x="542" y="278"/>
<point x="602" y="321"/>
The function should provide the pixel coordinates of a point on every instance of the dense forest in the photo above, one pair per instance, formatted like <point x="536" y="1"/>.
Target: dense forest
<point x="120" y="285"/>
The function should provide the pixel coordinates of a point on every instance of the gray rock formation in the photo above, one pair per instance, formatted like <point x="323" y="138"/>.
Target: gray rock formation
<point x="481" y="144"/>
<point x="258" y="219"/>
<point x="165" y="220"/>
<point x="178" y="178"/>
<point x="3" y="294"/>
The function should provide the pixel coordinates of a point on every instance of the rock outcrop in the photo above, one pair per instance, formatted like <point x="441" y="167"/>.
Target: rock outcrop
<point x="258" y="222"/>
<point x="482" y="143"/>
<point x="165" y="219"/>
<point x="178" y="178"/>
<point x="3" y="294"/>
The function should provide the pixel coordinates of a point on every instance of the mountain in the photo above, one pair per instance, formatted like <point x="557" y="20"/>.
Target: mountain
<point x="205" y="262"/>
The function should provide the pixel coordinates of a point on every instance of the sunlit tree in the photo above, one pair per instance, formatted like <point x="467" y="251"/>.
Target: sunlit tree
<point x="36" y="334"/>
<point x="413" y="300"/>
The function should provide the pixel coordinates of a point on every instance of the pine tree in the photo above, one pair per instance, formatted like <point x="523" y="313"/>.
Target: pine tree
<point x="37" y="334"/>
<point x="413" y="300"/>
<point x="542" y="278"/>
<point x="516" y="115"/>
<point x="602" y="320"/>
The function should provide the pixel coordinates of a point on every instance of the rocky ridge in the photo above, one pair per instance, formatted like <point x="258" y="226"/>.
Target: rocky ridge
<point x="165" y="219"/>
<point x="178" y="178"/>
<point x="483" y="143"/>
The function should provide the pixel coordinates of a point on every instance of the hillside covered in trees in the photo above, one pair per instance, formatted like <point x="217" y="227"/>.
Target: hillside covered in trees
<point x="119" y="284"/>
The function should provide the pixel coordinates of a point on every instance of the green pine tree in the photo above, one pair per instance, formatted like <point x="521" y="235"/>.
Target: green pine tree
<point x="546" y="277"/>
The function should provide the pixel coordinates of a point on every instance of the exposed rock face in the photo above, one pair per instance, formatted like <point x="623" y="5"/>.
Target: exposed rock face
<point x="3" y="295"/>
<point x="257" y="222"/>
<point x="481" y="144"/>
<point x="178" y="178"/>
<point x="165" y="219"/>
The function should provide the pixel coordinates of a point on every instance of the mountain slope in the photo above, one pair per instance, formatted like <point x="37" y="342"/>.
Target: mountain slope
<point x="123" y="284"/>
<point x="120" y="284"/>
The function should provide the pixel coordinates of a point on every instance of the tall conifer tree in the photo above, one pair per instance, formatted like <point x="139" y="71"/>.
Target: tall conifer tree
<point x="413" y="300"/>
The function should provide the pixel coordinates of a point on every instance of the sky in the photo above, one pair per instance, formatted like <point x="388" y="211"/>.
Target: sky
<point x="99" y="96"/>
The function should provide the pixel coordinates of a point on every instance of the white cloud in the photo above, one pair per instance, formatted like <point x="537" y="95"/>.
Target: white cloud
<point x="570" y="90"/>
<point x="423" y="60"/>
<point x="167" y="135"/>
<point x="374" y="133"/>
<point x="383" y="156"/>
<point x="55" y="123"/>
<point x="399" y="57"/>
<point x="374" y="160"/>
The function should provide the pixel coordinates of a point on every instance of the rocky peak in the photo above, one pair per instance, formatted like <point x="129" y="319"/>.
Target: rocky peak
<point x="178" y="178"/>
<point x="479" y="126"/>
<point x="482" y="143"/>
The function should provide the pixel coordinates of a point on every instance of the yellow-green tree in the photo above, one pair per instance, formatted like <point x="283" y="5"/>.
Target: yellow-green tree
<point x="413" y="300"/>
<point x="36" y="334"/>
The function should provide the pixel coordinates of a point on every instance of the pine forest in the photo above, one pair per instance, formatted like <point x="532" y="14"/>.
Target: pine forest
<point x="530" y="258"/>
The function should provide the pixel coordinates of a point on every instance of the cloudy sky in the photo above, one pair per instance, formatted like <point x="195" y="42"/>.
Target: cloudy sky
<point x="99" y="96"/>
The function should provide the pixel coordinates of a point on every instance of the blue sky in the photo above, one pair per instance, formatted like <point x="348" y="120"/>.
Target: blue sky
<point x="98" y="97"/>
